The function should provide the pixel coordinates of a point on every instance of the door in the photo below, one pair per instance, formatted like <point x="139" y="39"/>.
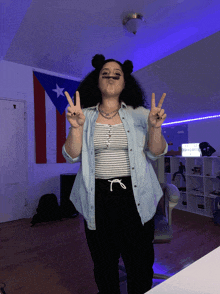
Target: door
<point x="13" y="160"/>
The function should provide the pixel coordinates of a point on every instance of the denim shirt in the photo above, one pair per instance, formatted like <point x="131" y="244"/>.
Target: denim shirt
<point x="146" y="187"/>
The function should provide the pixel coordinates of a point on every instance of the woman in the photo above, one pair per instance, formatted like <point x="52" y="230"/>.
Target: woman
<point x="116" y="189"/>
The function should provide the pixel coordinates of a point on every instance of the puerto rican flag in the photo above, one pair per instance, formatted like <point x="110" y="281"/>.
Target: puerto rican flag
<point x="51" y="124"/>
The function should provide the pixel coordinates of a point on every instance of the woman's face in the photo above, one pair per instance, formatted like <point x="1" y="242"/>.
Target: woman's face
<point x="111" y="79"/>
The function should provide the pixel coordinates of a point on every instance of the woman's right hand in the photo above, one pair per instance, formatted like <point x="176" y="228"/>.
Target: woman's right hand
<point x="79" y="118"/>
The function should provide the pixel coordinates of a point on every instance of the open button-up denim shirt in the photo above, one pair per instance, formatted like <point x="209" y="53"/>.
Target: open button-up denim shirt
<point x="146" y="187"/>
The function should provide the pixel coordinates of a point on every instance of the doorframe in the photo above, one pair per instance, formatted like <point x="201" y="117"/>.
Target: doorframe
<point x="26" y="139"/>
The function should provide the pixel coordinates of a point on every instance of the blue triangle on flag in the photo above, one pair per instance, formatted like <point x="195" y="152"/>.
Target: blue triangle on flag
<point x="55" y="88"/>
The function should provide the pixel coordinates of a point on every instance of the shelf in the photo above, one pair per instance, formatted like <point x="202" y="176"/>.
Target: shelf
<point x="212" y="196"/>
<point x="198" y="202"/>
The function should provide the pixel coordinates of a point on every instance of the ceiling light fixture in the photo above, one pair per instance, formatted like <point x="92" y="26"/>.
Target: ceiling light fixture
<point x="132" y="22"/>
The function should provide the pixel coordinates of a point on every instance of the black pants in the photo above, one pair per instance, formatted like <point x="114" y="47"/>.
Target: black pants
<point x="119" y="231"/>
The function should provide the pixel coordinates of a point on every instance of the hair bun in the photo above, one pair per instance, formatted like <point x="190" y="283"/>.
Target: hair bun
<point x="98" y="61"/>
<point x="128" y="66"/>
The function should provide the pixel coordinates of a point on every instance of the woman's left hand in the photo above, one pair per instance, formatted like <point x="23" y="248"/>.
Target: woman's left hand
<point x="156" y="116"/>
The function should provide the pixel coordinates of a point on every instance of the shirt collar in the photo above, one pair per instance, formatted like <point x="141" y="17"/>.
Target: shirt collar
<point x="123" y="105"/>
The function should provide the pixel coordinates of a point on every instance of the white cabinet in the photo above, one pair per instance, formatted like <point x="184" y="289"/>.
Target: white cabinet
<point x="202" y="185"/>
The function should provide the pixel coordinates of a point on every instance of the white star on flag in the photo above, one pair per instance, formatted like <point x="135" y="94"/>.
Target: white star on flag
<point x="59" y="91"/>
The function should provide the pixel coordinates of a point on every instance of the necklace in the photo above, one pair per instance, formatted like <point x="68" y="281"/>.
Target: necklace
<point x="107" y="114"/>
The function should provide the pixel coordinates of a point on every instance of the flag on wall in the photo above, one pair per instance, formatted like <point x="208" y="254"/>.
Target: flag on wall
<point x="50" y="116"/>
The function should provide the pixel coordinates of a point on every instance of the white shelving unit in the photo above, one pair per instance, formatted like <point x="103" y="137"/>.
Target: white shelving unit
<point x="196" y="193"/>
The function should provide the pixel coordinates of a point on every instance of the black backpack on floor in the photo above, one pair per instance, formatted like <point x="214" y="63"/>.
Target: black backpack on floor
<point x="47" y="210"/>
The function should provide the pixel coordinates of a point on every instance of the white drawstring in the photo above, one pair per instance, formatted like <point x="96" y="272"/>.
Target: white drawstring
<point x="117" y="181"/>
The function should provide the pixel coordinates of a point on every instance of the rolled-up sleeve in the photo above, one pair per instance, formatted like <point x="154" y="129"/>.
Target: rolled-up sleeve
<point x="154" y="157"/>
<point x="69" y="158"/>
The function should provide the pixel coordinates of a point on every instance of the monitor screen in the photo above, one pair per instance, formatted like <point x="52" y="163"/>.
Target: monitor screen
<point x="191" y="150"/>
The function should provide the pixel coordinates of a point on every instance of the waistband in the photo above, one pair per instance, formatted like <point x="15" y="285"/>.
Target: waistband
<point x="119" y="180"/>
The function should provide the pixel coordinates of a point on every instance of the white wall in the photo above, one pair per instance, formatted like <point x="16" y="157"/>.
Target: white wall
<point x="206" y="131"/>
<point x="16" y="82"/>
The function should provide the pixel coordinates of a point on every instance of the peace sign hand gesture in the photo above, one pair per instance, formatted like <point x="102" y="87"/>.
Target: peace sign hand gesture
<point x="75" y="115"/>
<point x="156" y="116"/>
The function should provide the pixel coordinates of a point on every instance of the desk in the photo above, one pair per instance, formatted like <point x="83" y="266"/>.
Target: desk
<point x="201" y="277"/>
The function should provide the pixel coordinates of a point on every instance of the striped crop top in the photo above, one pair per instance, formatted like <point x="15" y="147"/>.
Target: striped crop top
<point x="111" y="151"/>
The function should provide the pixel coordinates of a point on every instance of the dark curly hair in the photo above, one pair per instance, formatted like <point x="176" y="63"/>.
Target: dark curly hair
<point x="90" y="94"/>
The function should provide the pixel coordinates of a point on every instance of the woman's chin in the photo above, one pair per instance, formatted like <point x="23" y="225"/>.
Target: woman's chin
<point x="111" y="93"/>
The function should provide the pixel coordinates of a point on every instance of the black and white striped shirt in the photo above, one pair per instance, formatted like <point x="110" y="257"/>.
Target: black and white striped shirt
<point x="111" y="151"/>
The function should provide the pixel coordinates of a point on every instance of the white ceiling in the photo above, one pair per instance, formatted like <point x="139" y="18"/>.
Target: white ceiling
<point x="63" y="35"/>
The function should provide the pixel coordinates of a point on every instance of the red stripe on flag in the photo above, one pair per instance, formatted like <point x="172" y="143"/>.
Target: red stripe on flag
<point x="61" y="135"/>
<point x="40" y="122"/>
